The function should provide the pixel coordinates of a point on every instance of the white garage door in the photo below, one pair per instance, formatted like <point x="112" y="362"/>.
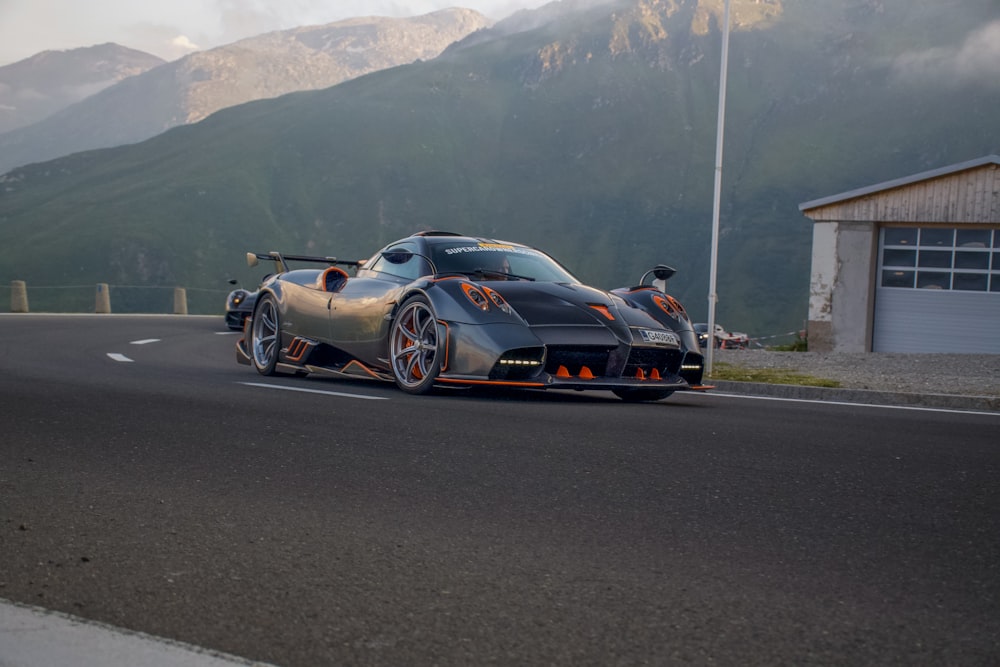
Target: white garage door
<point x="938" y="290"/>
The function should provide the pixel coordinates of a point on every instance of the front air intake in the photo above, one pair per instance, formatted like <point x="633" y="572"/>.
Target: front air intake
<point x="646" y="363"/>
<point x="575" y="359"/>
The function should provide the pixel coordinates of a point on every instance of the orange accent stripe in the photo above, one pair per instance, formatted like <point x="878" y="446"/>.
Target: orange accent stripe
<point x="321" y="280"/>
<point x="297" y="350"/>
<point x="498" y="383"/>
<point x="586" y="374"/>
<point x="355" y="362"/>
<point x="675" y="303"/>
<point x="603" y="310"/>
<point x="447" y="345"/>
<point x="471" y="289"/>
<point x="664" y="305"/>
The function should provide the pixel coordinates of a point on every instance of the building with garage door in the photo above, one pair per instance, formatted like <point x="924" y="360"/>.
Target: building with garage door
<point x="911" y="265"/>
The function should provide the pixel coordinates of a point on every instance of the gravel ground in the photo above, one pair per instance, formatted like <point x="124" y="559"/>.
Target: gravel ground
<point x="962" y="374"/>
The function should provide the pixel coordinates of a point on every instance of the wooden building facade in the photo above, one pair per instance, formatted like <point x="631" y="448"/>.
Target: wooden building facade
<point x="910" y="265"/>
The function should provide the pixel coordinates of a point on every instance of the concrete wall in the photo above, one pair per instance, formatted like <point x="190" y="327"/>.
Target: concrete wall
<point x="853" y="290"/>
<point x="842" y="286"/>
<point x="819" y="327"/>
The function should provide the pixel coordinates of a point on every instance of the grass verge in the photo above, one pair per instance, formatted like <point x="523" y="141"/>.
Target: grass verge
<point x="724" y="371"/>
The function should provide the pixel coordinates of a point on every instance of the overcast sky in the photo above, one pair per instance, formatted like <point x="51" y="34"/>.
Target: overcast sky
<point x="173" y="28"/>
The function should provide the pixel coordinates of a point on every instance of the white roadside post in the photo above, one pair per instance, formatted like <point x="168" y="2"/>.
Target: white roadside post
<point x="102" y="301"/>
<point x="18" y="296"/>
<point x="180" y="301"/>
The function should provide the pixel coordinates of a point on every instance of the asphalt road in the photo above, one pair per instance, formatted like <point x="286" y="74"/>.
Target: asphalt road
<point x="316" y="522"/>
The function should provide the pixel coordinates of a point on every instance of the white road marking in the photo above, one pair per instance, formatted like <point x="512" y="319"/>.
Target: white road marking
<point x="314" y="391"/>
<point x="118" y="357"/>
<point x="36" y="636"/>
<point x="145" y="341"/>
<point x="228" y="333"/>
<point x="918" y="408"/>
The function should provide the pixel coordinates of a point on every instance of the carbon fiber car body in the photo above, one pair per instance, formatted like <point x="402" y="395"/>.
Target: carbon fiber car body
<point x="239" y="308"/>
<point x="438" y="308"/>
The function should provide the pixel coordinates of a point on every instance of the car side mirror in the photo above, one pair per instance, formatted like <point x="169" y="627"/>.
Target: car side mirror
<point x="663" y="272"/>
<point x="398" y="256"/>
<point x="660" y="272"/>
<point x="404" y="256"/>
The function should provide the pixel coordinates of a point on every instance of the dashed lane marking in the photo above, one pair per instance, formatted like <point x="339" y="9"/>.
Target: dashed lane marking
<point x="119" y="357"/>
<point x="314" y="391"/>
<point x="146" y="341"/>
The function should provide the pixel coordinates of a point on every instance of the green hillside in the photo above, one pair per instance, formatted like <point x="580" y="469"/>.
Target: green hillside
<point x="591" y="135"/>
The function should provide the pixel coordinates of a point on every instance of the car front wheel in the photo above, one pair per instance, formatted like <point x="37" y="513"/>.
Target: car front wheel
<point x="414" y="346"/>
<point x="265" y="336"/>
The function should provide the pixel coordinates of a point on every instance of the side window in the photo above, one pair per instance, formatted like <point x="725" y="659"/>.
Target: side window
<point x="398" y="260"/>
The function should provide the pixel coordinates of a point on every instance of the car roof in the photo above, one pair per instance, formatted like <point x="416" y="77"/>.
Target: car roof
<point x="439" y="238"/>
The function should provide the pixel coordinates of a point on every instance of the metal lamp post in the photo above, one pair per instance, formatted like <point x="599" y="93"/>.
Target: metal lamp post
<point x="713" y="297"/>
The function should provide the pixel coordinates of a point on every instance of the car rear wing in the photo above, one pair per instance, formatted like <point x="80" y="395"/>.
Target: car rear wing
<point x="281" y="261"/>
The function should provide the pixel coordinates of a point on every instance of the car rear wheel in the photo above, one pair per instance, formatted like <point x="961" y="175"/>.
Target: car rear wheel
<point x="413" y="346"/>
<point x="265" y="336"/>
<point x="642" y="395"/>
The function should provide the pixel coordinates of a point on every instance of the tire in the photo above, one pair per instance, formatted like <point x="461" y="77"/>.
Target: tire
<point x="413" y="346"/>
<point x="642" y="395"/>
<point x="265" y="336"/>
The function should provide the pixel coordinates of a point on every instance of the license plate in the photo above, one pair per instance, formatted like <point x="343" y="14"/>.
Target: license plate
<point x="663" y="337"/>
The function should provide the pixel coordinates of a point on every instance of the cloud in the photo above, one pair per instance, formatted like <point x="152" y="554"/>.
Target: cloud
<point x="976" y="60"/>
<point x="167" y="40"/>
<point x="182" y="42"/>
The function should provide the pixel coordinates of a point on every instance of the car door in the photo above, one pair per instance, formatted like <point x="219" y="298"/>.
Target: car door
<point x="358" y="313"/>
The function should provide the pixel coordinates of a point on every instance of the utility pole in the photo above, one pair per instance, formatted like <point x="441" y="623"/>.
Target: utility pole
<point x="713" y="297"/>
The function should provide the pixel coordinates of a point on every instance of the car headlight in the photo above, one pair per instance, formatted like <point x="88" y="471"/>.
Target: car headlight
<point x="236" y="298"/>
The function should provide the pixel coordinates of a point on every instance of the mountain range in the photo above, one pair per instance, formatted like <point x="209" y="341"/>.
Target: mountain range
<point x="197" y="85"/>
<point x="587" y="129"/>
<point x="36" y="87"/>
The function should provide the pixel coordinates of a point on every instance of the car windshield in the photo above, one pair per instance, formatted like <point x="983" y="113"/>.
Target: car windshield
<point x="498" y="261"/>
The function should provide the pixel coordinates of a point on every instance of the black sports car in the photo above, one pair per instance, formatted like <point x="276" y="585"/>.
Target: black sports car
<point x="239" y="307"/>
<point x="438" y="308"/>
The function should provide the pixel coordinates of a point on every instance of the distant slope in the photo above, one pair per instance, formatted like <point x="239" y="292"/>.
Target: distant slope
<point x="36" y="87"/>
<point x="189" y="89"/>
<point x="591" y="133"/>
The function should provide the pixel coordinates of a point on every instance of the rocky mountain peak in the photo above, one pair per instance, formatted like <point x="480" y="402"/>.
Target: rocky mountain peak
<point x="191" y="88"/>
<point x="36" y="87"/>
<point x="312" y="57"/>
<point x="656" y="31"/>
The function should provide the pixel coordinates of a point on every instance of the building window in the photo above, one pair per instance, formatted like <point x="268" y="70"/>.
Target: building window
<point x="935" y="237"/>
<point x="893" y="278"/>
<point x="940" y="258"/>
<point x="897" y="257"/>
<point x="973" y="238"/>
<point x="905" y="236"/>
